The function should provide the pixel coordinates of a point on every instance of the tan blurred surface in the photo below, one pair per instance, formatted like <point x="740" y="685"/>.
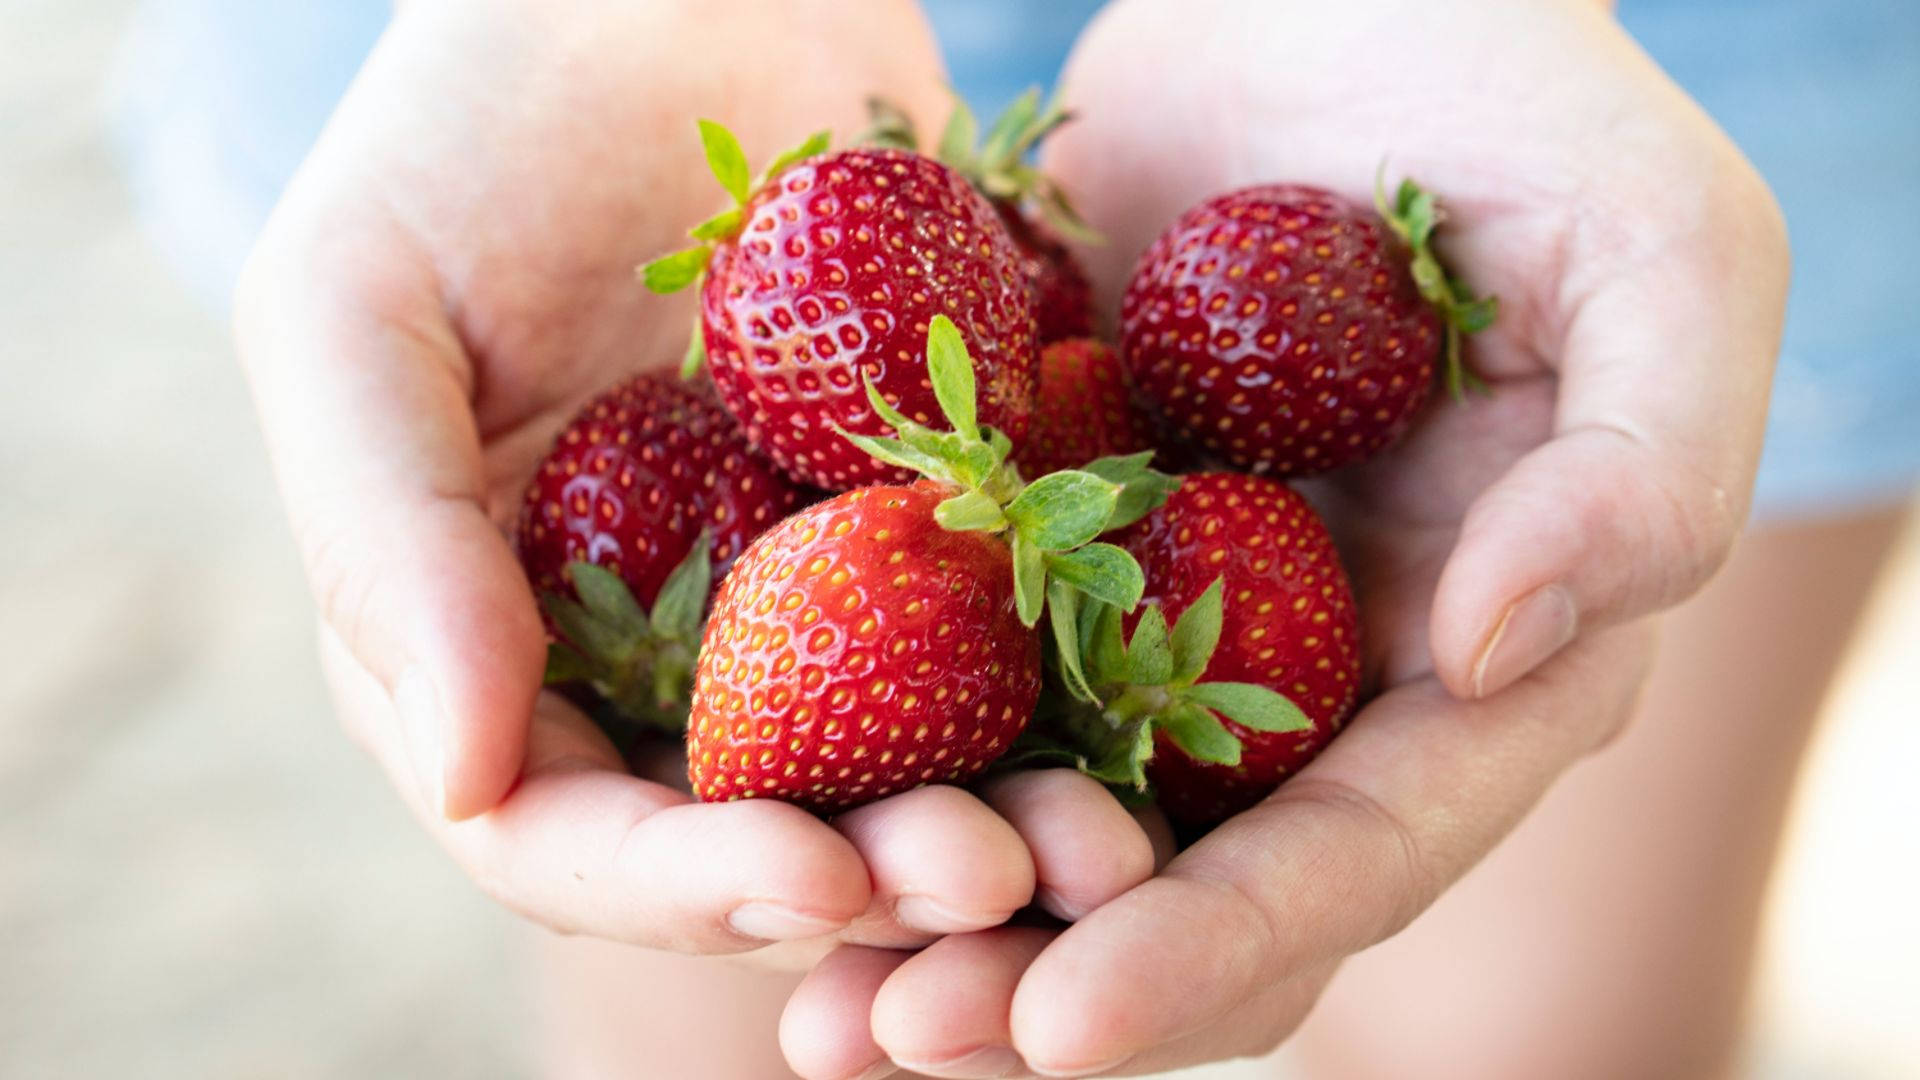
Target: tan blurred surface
<point x="198" y="875"/>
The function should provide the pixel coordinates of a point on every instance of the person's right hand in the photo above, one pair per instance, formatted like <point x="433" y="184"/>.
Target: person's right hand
<point x="449" y="276"/>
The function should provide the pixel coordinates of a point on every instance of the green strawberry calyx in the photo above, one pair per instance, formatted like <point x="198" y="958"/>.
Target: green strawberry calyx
<point x="676" y="270"/>
<point x="1127" y="690"/>
<point x="1413" y="214"/>
<point x="640" y="662"/>
<point x="997" y="164"/>
<point x="1050" y="524"/>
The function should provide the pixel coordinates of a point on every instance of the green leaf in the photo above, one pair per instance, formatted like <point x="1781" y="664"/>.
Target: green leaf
<point x="1063" y="510"/>
<point x="1200" y="734"/>
<point x="1474" y="315"/>
<point x="1049" y="119"/>
<point x="1197" y="632"/>
<point x="1249" y="705"/>
<point x="1063" y="610"/>
<point x="726" y="159"/>
<point x="1121" y="468"/>
<point x="1141" y="497"/>
<point x="1029" y="580"/>
<point x="680" y="607"/>
<point x="972" y="511"/>
<point x="816" y="143"/>
<point x="1149" y="656"/>
<point x="1057" y="211"/>
<point x="950" y="370"/>
<point x="595" y="639"/>
<point x="607" y="597"/>
<point x="957" y="138"/>
<point x="895" y="452"/>
<point x="671" y="273"/>
<point x="718" y="227"/>
<point x="1102" y="571"/>
<point x="884" y="409"/>
<point x="1106" y="649"/>
<point x="889" y="125"/>
<point x="695" y="359"/>
<point x="564" y="665"/>
<point x="1420" y="219"/>
<point x="997" y="150"/>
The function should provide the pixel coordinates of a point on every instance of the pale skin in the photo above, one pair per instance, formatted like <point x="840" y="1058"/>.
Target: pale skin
<point x="449" y="276"/>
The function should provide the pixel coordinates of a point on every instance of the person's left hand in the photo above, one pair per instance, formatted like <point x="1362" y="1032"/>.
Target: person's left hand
<point x="1506" y="556"/>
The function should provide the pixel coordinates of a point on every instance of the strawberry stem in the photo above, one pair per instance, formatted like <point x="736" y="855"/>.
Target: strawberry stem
<point x="1413" y="214"/>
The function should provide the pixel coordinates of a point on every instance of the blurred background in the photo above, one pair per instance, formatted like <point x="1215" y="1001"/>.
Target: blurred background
<point x="200" y="877"/>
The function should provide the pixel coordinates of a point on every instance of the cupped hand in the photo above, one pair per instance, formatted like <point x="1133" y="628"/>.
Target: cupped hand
<point x="1506" y="556"/>
<point x="449" y="276"/>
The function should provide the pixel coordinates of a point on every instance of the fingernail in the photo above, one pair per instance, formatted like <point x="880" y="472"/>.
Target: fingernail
<point x="771" y="922"/>
<point x="1083" y="1070"/>
<point x="988" y="1061"/>
<point x="1534" y="628"/>
<point x="926" y="913"/>
<point x="877" y="1070"/>
<point x="1051" y="901"/>
<point x="423" y="727"/>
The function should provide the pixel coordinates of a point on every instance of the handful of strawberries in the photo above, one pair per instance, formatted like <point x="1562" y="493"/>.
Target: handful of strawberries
<point x="1003" y="577"/>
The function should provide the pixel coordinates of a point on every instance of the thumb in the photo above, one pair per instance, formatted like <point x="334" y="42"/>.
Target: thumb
<point x="1635" y="500"/>
<point x="363" y="393"/>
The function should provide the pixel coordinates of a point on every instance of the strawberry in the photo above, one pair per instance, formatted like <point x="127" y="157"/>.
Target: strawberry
<point x="830" y="271"/>
<point x="1036" y="211"/>
<point x="649" y="493"/>
<point x="1261" y="666"/>
<point x="885" y="638"/>
<point x="858" y="650"/>
<point x="1083" y="410"/>
<point x="1286" y="330"/>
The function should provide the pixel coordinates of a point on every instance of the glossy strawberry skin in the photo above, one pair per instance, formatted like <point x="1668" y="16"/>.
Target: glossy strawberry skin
<point x="841" y="264"/>
<point x="633" y="479"/>
<point x="1062" y="295"/>
<point x="1279" y="329"/>
<point x="1289" y="624"/>
<point x="858" y="650"/>
<point x="1084" y="410"/>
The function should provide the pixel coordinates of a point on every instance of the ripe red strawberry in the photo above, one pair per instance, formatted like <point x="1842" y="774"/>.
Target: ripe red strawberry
<point x="1083" y="410"/>
<point x="649" y="493"/>
<point x="1036" y="211"/>
<point x="884" y="638"/>
<point x="831" y="271"/>
<point x="1286" y="330"/>
<point x="1262" y="664"/>
<point x="858" y="650"/>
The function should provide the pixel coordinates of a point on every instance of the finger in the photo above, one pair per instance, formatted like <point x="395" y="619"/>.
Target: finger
<point x="1159" y="834"/>
<point x="1411" y="795"/>
<point x="941" y="862"/>
<point x="1086" y="848"/>
<point x="945" y="1011"/>
<point x="581" y="846"/>
<point x="825" y="1031"/>
<point x="363" y="391"/>
<point x="1632" y="504"/>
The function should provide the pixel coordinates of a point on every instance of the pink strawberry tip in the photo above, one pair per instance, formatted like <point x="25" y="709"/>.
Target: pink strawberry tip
<point x="1051" y="523"/>
<point x="997" y="165"/>
<point x="1413" y="214"/>
<point x="1124" y="691"/>
<point x="641" y="663"/>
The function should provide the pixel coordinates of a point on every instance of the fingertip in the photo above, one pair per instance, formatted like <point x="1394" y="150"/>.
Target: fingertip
<point x="825" y="1032"/>
<point x="942" y="860"/>
<point x="1086" y="847"/>
<point x="944" y="1011"/>
<point x="478" y="642"/>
